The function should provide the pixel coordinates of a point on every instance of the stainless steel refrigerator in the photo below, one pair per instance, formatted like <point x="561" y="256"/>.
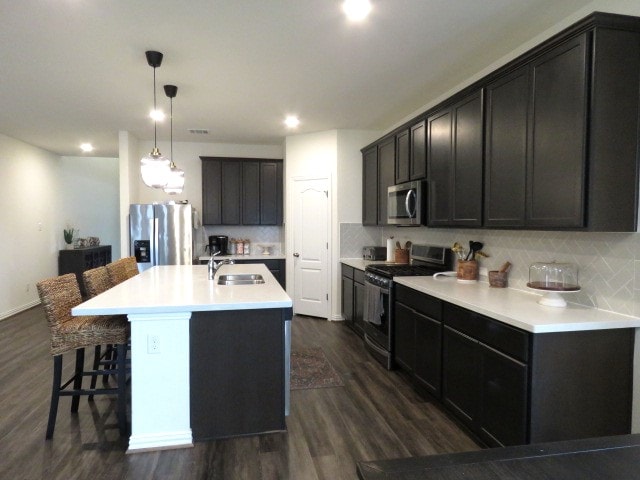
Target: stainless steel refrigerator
<point x="161" y="234"/>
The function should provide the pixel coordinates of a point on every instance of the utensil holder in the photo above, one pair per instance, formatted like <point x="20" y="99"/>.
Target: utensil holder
<point x="467" y="271"/>
<point x="402" y="255"/>
<point x="498" y="279"/>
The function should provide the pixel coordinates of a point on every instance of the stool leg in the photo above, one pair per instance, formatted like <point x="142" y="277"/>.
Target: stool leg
<point x="108" y="355"/>
<point x="96" y="364"/>
<point x="77" y="380"/>
<point x="122" y="388"/>
<point x="55" y="395"/>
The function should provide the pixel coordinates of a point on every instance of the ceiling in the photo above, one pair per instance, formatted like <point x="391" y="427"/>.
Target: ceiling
<point x="74" y="71"/>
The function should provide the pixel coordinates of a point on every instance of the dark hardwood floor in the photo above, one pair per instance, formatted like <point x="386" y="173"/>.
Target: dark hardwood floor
<point x="374" y="416"/>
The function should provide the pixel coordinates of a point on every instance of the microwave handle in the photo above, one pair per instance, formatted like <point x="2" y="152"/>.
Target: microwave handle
<point x="410" y="193"/>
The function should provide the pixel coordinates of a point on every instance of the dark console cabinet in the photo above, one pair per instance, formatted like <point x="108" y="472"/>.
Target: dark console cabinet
<point x="82" y="259"/>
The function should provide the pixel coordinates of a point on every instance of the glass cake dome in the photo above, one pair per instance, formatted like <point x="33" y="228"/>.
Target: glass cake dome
<point x="553" y="278"/>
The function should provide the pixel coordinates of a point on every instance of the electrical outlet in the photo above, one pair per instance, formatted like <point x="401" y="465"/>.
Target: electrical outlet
<point x="28" y="287"/>
<point x="484" y="272"/>
<point x="39" y="226"/>
<point x="153" y="344"/>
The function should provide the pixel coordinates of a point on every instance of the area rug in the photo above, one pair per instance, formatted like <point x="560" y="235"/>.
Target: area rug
<point x="311" y="369"/>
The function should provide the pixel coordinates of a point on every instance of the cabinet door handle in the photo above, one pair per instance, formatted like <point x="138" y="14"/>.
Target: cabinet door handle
<point x="296" y="255"/>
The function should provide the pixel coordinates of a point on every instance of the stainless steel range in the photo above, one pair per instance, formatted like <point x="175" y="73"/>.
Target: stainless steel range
<point x="426" y="260"/>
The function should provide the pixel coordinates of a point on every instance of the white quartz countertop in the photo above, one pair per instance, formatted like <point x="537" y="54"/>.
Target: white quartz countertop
<point x="517" y="308"/>
<point x="186" y="288"/>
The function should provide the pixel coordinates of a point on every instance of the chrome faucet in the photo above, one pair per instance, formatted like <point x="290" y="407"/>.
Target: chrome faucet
<point x="213" y="266"/>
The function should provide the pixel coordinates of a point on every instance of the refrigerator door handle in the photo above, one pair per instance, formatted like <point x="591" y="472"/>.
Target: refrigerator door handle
<point x="154" y="244"/>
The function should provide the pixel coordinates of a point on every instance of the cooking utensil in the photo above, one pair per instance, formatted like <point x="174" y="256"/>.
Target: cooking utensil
<point x="505" y="268"/>
<point x="407" y="245"/>
<point x="473" y="248"/>
<point x="398" y="245"/>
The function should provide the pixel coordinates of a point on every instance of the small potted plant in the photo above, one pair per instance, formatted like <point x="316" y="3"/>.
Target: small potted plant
<point x="68" y="237"/>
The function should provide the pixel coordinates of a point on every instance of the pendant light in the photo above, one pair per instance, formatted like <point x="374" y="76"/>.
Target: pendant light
<point x="175" y="184"/>
<point x="154" y="168"/>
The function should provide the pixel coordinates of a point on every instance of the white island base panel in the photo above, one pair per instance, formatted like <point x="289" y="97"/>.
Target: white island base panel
<point x="160" y="382"/>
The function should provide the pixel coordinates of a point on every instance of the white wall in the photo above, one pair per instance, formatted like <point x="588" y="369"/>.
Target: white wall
<point x="89" y="198"/>
<point x="349" y="172"/>
<point x="47" y="194"/>
<point x="334" y="154"/>
<point x="30" y="224"/>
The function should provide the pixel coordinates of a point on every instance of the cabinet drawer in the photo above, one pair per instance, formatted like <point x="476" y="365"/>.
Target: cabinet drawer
<point x="425" y="304"/>
<point x="347" y="271"/>
<point x="358" y="276"/>
<point x="512" y="341"/>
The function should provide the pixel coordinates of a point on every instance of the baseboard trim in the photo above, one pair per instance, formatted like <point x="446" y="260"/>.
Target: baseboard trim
<point x="160" y="441"/>
<point x="21" y="308"/>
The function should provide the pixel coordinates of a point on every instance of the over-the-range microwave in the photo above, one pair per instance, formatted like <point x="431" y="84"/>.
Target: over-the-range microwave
<point x="406" y="204"/>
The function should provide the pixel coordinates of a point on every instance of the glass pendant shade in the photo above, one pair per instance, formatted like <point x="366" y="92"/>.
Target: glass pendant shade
<point x="176" y="180"/>
<point x="155" y="169"/>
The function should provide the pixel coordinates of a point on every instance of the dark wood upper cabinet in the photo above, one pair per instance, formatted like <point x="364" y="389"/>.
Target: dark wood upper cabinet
<point x="370" y="186"/>
<point x="506" y="150"/>
<point x="237" y="191"/>
<point x="439" y="163"/>
<point x="251" y="193"/>
<point x="454" y="159"/>
<point x="231" y="186"/>
<point x="557" y="141"/>
<point x="386" y="175"/>
<point x="558" y="147"/>
<point x="211" y="192"/>
<point x="271" y="204"/>
<point x="418" y="163"/>
<point x="403" y="160"/>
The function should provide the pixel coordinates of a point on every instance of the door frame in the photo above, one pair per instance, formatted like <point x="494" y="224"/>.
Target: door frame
<point x="290" y="236"/>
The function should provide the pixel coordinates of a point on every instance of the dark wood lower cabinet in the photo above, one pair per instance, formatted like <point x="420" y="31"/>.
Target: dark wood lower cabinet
<point x="461" y="375"/>
<point x="237" y="373"/>
<point x="509" y="386"/>
<point x="503" y="406"/>
<point x="353" y="298"/>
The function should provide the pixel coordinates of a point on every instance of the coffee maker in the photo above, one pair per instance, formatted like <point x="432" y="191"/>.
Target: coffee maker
<point x="218" y="243"/>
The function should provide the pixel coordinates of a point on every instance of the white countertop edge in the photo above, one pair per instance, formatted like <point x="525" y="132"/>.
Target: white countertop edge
<point x="160" y="290"/>
<point x="192" y="308"/>
<point x="517" y="308"/>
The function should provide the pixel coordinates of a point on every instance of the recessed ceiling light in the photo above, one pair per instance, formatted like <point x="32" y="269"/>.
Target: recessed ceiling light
<point x="157" y="115"/>
<point x="86" y="147"/>
<point x="291" y="121"/>
<point x="356" y="10"/>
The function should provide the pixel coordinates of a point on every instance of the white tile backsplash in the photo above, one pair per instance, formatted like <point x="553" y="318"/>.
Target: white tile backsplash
<point x="259" y="234"/>
<point x="608" y="263"/>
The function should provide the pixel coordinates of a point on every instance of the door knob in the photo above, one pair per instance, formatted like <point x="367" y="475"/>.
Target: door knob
<point x="296" y="255"/>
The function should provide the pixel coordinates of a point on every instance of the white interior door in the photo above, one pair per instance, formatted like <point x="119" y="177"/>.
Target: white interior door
<point x="311" y="247"/>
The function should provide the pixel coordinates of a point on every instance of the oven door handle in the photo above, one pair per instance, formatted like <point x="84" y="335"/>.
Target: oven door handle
<point x="378" y="349"/>
<point x="383" y="290"/>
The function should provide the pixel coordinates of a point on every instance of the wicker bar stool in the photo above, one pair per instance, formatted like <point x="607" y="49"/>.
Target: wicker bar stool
<point x="122" y="270"/>
<point x="59" y="295"/>
<point x="96" y="282"/>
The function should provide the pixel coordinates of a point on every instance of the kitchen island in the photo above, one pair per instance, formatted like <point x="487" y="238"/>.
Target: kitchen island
<point x="181" y="322"/>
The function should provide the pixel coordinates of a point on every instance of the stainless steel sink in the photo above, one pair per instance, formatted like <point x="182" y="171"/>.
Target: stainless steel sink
<point x="241" y="279"/>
